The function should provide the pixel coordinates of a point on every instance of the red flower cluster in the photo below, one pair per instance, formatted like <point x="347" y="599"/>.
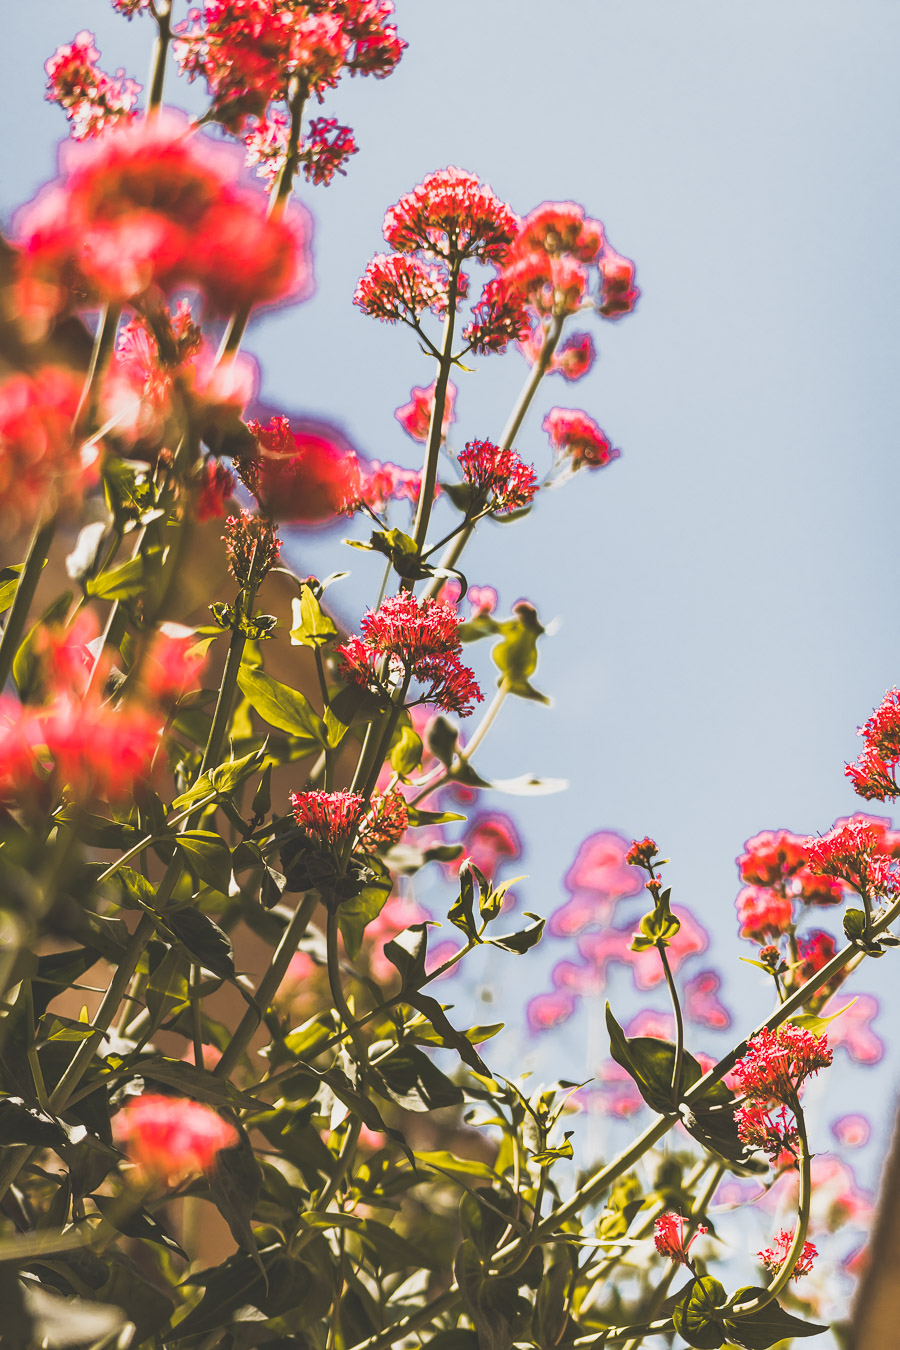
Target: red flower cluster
<point x="874" y="775"/>
<point x="577" y="439"/>
<point x="406" y="641"/>
<point x="300" y="476"/>
<point x="642" y="853"/>
<point x="776" y="864"/>
<point x="171" y="1138"/>
<point x="322" y="154"/>
<point x="778" y="1062"/>
<point x="452" y="216"/>
<point x="328" y="817"/>
<point x="395" y="287"/>
<point x="774" y="1258"/>
<point x="500" y="317"/>
<point x="41" y="463"/>
<point x="557" y="229"/>
<point x="668" y="1235"/>
<point x="618" y="294"/>
<point x="251" y="547"/>
<point x="249" y="51"/>
<point x="127" y="218"/>
<point x="91" y="99"/>
<point x="385" y="822"/>
<point x="415" y="416"/>
<point x="763" y="913"/>
<point x="500" y="480"/>
<point x="852" y="852"/>
<point x="382" y="483"/>
<point x="174" y="662"/>
<point x="572" y="359"/>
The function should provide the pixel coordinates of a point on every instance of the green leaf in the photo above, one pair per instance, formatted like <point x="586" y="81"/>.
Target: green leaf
<point x="355" y="914"/>
<point x="651" y="1063"/>
<point x="197" y="1083"/>
<point x="407" y="952"/>
<point x="515" y="655"/>
<point x="485" y="1215"/>
<point x="768" y="1326"/>
<point x="9" y="580"/>
<point x="284" y="1283"/>
<point x="406" y="752"/>
<point x="447" y="1033"/>
<point x="550" y="1315"/>
<point x="400" y="548"/>
<point x="522" y="941"/>
<point x="311" y="625"/>
<point x="234" y="1184"/>
<point x="441" y="736"/>
<point x="280" y="706"/>
<point x="142" y="1303"/>
<point x="448" y="1162"/>
<point x="697" y="1315"/>
<point x="819" y="1025"/>
<point x="204" y="939"/>
<point x="23" y="1124"/>
<point x="57" y="971"/>
<point x="854" y="924"/>
<point x="354" y="706"/>
<point x="414" y="1081"/>
<point x="659" y="926"/>
<point x="222" y="780"/>
<point x="208" y="855"/>
<point x="168" y="990"/>
<point x="136" y="1223"/>
<point x="130" y="578"/>
<point x="462" y="911"/>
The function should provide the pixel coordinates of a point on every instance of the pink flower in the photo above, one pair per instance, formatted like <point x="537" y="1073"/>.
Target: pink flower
<point x="577" y="439"/>
<point x="300" y="476"/>
<point x="489" y="839"/>
<point x="557" y="228"/>
<point x="415" y="416"/>
<point x="763" y="913"/>
<point x="483" y="599"/>
<point x="125" y="218"/>
<point x="329" y="817"/>
<point x="500" y="481"/>
<point x="772" y="857"/>
<point x="659" y="1026"/>
<point x="851" y="852"/>
<point x="500" y="317"/>
<point x="575" y="356"/>
<point x="619" y="295"/>
<point x="394" y="287"/>
<point x="853" y="1029"/>
<point x="171" y="1138"/>
<point x="614" y="944"/>
<point x="450" y="214"/>
<point x="91" y="99"/>
<point x="546" y="1011"/>
<point x="778" y="1062"/>
<point x="852" y="1131"/>
<point x="774" y="1258"/>
<point x="382" y="483"/>
<point x="701" y="1004"/>
<point x="174" y="662"/>
<point x="580" y="979"/>
<point x="327" y="150"/>
<point x="214" y="489"/>
<point x="548" y="285"/>
<point x="422" y="643"/>
<point x="668" y="1236"/>
<point x="41" y="462"/>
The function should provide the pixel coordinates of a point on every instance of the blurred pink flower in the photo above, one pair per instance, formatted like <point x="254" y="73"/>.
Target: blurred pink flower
<point x="615" y="945"/>
<point x="853" y="1028"/>
<point x="550" y="1010"/>
<point x="852" y="1131"/>
<point x="597" y="879"/>
<point x="659" y="1025"/>
<point x="701" y="1004"/>
<point x="398" y="913"/>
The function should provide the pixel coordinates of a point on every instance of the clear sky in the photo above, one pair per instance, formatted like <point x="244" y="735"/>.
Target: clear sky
<point x="727" y="590"/>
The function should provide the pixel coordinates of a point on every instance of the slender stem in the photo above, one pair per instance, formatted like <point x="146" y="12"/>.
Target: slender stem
<point x="679" y="1022"/>
<point x="163" y="15"/>
<point x="435" y="430"/>
<point x="196" y="1013"/>
<point x="269" y="984"/>
<point x="486" y="722"/>
<point x="795" y="1251"/>
<point x="153" y="838"/>
<point x="451" y="557"/>
<point x="104" y="346"/>
<point x="28" y="580"/>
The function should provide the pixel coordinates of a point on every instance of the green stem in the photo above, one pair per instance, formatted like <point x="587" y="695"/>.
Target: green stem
<point x="679" y="1022"/>
<point x="786" y="1271"/>
<point x="28" y="579"/>
<point x="163" y="15"/>
<point x="104" y="346"/>
<point x="196" y="1014"/>
<point x="269" y="984"/>
<point x="435" y="430"/>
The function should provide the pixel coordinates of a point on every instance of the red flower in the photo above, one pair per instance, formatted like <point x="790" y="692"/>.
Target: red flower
<point x="41" y="464"/>
<point x="882" y="731"/>
<point x="642" y="852"/>
<point x="132" y="209"/>
<point x="873" y="777"/>
<point x="214" y="488"/>
<point x="483" y="599"/>
<point x="382" y="483"/>
<point x="500" y="480"/>
<point x="300" y="476"/>
<point x="500" y="317"/>
<point x="668" y="1235"/>
<point x="851" y="852"/>
<point x="577" y="439"/>
<point x="415" y="416"/>
<point x="450" y="214"/>
<point x="489" y="839"/>
<point x="91" y="99"/>
<point x="385" y="822"/>
<point x="171" y="1138"/>
<point x="619" y="295"/>
<point x="772" y="857"/>
<point x="549" y="285"/>
<point x="557" y="228"/>
<point x="774" y="1259"/>
<point x="778" y="1062"/>
<point x="575" y="357"/>
<point x="251" y="547"/>
<point x="763" y="913"/>
<point x="130" y="7"/>
<point x="770" y="1130"/>
<point x="328" y="817"/>
<point x="327" y="150"/>
<point x="174" y="662"/>
<point x="701" y="1003"/>
<point x="815" y="951"/>
<point x="420" y="643"/>
<point x="394" y="287"/>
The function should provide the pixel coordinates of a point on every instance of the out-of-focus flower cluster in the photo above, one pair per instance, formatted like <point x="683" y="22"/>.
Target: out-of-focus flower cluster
<point x="91" y="99"/>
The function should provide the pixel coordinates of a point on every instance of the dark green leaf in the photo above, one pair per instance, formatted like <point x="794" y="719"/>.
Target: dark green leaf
<point x="651" y="1063"/>
<point x="23" y="1124"/>
<point x="208" y="855"/>
<point x="197" y="1083"/>
<point x="57" y="971"/>
<point x="9" y="580"/>
<point x="222" y="780"/>
<point x="142" y="1303"/>
<point x="406" y="752"/>
<point x="237" y="1282"/>
<point x="697" y="1315"/>
<point x="414" y="1082"/>
<point x="550" y="1308"/>
<point x="355" y="914"/>
<point x="234" y="1184"/>
<point x="522" y="941"/>
<point x="130" y="578"/>
<point x="854" y="924"/>
<point x="138" y="1223"/>
<point x="204" y="939"/>
<point x="441" y="736"/>
<point x="768" y="1326"/>
<point x="449" y="1036"/>
<point x="407" y="952"/>
<point x="19" y="1330"/>
<point x="462" y="911"/>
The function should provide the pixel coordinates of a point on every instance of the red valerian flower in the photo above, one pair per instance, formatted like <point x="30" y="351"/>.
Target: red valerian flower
<point x="328" y="817"/>
<point x="550" y="285"/>
<point x="417" y="643"/>
<point x="327" y="149"/>
<point x="556" y="228"/>
<point x="489" y="839"/>
<point x="174" y="662"/>
<point x="500" y="480"/>
<point x="882" y="731"/>
<point x="851" y="852"/>
<point x="770" y="1129"/>
<point x="483" y="599"/>
<point x="451" y="215"/>
<point x="499" y="318"/>
<point x="619" y="295"/>
<point x="415" y="416"/>
<point x="772" y="857"/>
<point x="815" y="951"/>
<point x="130" y="7"/>
<point x="774" y="1258"/>
<point x="778" y="1062"/>
<point x="212" y="490"/>
<point x="41" y="463"/>
<point x="701" y="1004"/>
<point x="300" y="476"/>
<point x="127" y="215"/>
<point x="382" y="483"/>
<point x="385" y="822"/>
<point x="873" y="778"/>
<point x="763" y="913"/>
<point x="395" y="287"/>
<point x="574" y="357"/>
<point x="642" y="852"/>
<point x="577" y="439"/>
<point x="171" y="1138"/>
<point x="668" y="1236"/>
<point x="251" y="547"/>
<point x="91" y="99"/>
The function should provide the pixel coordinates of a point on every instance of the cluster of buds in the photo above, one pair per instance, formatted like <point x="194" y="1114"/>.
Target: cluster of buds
<point x="251" y="546"/>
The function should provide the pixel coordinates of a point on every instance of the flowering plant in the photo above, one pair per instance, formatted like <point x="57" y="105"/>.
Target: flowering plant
<point x="193" y="789"/>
